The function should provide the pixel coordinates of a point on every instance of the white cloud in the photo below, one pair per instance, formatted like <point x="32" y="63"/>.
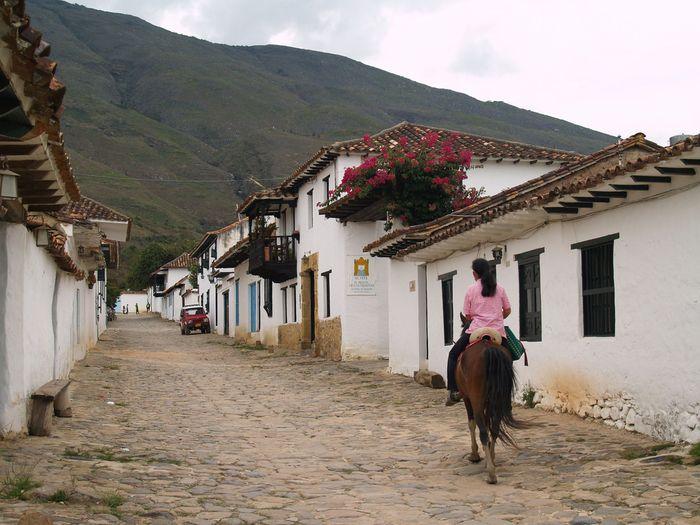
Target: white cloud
<point x="619" y="67"/>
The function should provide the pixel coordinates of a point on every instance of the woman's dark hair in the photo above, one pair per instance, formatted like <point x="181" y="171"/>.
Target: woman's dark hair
<point x="488" y="280"/>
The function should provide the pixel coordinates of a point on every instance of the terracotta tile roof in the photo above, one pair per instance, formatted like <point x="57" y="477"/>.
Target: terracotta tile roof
<point x="481" y="147"/>
<point x="234" y="255"/>
<point x="181" y="261"/>
<point x="536" y="193"/>
<point x="29" y="65"/>
<point x="87" y="208"/>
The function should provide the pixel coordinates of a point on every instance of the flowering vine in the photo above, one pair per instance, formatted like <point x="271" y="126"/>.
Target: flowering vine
<point x="419" y="183"/>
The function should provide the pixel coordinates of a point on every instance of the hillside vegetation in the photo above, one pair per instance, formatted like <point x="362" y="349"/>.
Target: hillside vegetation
<point x="145" y="104"/>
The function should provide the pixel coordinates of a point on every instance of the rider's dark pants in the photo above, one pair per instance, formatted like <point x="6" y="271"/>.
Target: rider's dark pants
<point x="456" y="351"/>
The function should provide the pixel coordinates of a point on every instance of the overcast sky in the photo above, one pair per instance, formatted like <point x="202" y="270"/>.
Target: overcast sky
<point x="617" y="66"/>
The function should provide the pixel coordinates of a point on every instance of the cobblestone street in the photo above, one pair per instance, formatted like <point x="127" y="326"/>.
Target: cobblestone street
<point x="190" y="429"/>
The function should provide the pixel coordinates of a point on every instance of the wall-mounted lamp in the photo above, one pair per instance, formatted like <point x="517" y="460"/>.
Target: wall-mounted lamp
<point x="8" y="184"/>
<point x="42" y="236"/>
<point x="497" y="253"/>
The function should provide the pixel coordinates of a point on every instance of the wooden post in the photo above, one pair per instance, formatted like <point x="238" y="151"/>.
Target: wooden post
<point x="40" y="420"/>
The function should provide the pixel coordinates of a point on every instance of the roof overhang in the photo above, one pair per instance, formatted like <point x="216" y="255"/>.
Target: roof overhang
<point x="208" y="239"/>
<point x="673" y="170"/>
<point x="40" y="184"/>
<point x="267" y="204"/>
<point x="114" y="230"/>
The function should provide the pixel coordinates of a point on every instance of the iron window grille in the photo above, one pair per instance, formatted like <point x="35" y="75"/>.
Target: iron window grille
<point x="598" y="286"/>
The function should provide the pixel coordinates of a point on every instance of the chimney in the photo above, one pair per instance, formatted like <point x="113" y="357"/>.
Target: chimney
<point x="677" y="138"/>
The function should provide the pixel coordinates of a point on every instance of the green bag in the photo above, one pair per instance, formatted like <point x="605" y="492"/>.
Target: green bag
<point x="513" y="344"/>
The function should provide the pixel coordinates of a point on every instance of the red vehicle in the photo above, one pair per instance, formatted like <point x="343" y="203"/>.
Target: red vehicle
<point x="194" y="318"/>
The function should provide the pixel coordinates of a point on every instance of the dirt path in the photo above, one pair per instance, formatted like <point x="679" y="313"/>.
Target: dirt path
<point x="189" y="429"/>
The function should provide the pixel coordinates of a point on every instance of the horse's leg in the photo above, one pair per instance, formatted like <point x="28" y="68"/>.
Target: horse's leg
<point x="486" y="445"/>
<point x="474" y="456"/>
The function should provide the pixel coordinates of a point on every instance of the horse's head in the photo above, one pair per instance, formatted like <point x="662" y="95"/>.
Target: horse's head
<point x="465" y="322"/>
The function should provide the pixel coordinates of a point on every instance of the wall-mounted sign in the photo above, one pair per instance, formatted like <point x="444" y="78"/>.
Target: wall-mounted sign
<point x="361" y="279"/>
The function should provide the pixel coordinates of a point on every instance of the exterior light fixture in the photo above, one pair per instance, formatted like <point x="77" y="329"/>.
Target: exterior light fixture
<point x="497" y="253"/>
<point x="211" y="278"/>
<point x="42" y="236"/>
<point x="8" y="184"/>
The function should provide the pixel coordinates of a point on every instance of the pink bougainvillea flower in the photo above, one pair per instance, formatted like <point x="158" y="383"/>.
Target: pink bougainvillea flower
<point x="465" y="157"/>
<point x="367" y="140"/>
<point x="403" y="141"/>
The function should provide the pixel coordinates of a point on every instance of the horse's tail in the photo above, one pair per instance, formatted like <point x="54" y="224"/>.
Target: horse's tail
<point x="500" y="387"/>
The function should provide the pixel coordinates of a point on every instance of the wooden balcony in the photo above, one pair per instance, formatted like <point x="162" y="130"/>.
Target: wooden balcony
<point x="273" y="257"/>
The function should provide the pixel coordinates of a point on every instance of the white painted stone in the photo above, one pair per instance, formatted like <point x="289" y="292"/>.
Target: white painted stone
<point x="692" y="421"/>
<point x="537" y="398"/>
<point x="694" y="436"/>
<point x="614" y="413"/>
<point x="620" y="424"/>
<point x="625" y="410"/>
<point x="609" y="422"/>
<point x="596" y="412"/>
<point x="631" y="417"/>
<point x="605" y="413"/>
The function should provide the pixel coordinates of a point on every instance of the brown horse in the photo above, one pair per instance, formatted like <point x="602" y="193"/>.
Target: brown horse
<point x="486" y="380"/>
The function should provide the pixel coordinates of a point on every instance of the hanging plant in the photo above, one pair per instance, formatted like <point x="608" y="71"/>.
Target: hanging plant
<point x="419" y="183"/>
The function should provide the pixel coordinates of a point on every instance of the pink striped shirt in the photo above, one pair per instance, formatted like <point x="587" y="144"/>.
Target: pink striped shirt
<point x="485" y="311"/>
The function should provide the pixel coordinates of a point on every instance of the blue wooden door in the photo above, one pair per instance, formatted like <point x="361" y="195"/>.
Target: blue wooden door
<point x="253" y="301"/>
<point x="237" y="300"/>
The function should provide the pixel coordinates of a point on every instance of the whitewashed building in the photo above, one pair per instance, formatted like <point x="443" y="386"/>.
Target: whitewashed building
<point x="212" y="282"/>
<point x="132" y="298"/>
<point x="305" y="282"/>
<point x="163" y="291"/>
<point x="592" y="259"/>
<point x="55" y="245"/>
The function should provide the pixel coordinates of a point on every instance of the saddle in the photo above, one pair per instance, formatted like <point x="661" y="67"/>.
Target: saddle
<point x="485" y="333"/>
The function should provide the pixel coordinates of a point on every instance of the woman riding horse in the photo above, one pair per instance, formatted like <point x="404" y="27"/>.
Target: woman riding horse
<point x="486" y="305"/>
<point x="483" y="374"/>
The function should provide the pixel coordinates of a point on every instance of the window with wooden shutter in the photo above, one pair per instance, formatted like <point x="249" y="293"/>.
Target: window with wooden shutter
<point x="598" y="286"/>
<point x="530" y="297"/>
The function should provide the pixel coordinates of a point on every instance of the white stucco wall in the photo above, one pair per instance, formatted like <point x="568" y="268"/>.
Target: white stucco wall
<point x="494" y="176"/>
<point x="363" y="318"/>
<point x="132" y="299"/>
<point x="652" y="361"/>
<point x="48" y="320"/>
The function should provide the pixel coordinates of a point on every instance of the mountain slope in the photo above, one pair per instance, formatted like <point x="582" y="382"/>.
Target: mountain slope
<point x="145" y="104"/>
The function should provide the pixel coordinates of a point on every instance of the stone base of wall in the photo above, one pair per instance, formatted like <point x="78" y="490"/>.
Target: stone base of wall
<point x="329" y="337"/>
<point x="620" y="410"/>
<point x="289" y="336"/>
<point x="243" y="336"/>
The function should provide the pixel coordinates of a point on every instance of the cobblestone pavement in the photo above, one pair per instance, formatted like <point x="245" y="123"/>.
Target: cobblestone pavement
<point x="189" y="429"/>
